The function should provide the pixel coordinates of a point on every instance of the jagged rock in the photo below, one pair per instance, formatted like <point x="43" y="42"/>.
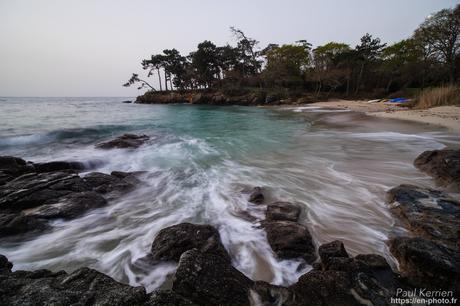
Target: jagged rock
<point x="32" y="190"/>
<point x="280" y="211"/>
<point x="427" y="263"/>
<point x="172" y="241"/>
<point x="168" y="298"/>
<point x="209" y="279"/>
<point x="69" y="206"/>
<point x="290" y="240"/>
<point x="12" y="223"/>
<point x="256" y="196"/>
<point x="442" y="165"/>
<point x="82" y="287"/>
<point x="124" y="141"/>
<point x="428" y="213"/>
<point x="331" y="250"/>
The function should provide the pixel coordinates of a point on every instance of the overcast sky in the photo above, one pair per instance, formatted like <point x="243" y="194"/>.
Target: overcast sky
<point x="90" y="47"/>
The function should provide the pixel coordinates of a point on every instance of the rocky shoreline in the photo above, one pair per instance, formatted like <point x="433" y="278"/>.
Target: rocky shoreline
<point x="217" y="97"/>
<point x="31" y="194"/>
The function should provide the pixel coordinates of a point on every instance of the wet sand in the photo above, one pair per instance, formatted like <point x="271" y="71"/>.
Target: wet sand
<point x="445" y="116"/>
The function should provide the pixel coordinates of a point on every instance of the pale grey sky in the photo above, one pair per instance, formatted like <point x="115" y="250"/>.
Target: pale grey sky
<point x="90" y="47"/>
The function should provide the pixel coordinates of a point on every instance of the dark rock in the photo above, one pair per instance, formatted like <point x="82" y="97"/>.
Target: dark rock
<point x="12" y="167"/>
<point x="124" y="141"/>
<point x="256" y="196"/>
<point x="324" y="288"/>
<point x="105" y="183"/>
<point x="442" y="165"/>
<point x="331" y="250"/>
<point x="82" y="287"/>
<point x="280" y="211"/>
<point x="427" y="263"/>
<point x="12" y="223"/>
<point x="126" y="101"/>
<point x="5" y="265"/>
<point x="69" y="206"/>
<point x="428" y="213"/>
<point x="172" y="241"/>
<point x="290" y="240"/>
<point x="59" y="166"/>
<point x="209" y="279"/>
<point x="168" y="298"/>
<point x="32" y="190"/>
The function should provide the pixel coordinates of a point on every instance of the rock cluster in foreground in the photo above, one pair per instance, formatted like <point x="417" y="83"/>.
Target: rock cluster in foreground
<point x="430" y="257"/>
<point x="33" y="193"/>
<point x="205" y="277"/>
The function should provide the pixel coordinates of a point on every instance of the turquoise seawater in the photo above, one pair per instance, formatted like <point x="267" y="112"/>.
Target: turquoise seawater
<point x="202" y="160"/>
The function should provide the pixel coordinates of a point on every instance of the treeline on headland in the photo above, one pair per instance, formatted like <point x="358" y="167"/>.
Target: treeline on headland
<point x="429" y="58"/>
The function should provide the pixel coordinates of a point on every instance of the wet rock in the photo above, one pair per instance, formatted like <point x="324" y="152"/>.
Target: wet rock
<point x="290" y="240"/>
<point x="172" y="241"/>
<point x="429" y="213"/>
<point x="209" y="279"/>
<point x="331" y="250"/>
<point x="442" y="165"/>
<point x="12" y="167"/>
<point x="105" y="183"/>
<point x="82" y="287"/>
<point x="59" y="166"/>
<point x="365" y="279"/>
<point x="280" y="211"/>
<point x="32" y="190"/>
<point x="12" y="223"/>
<point x="324" y="288"/>
<point x="168" y="298"/>
<point x="126" y="101"/>
<point x="124" y="141"/>
<point x="69" y="206"/>
<point x="427" y="263"/>
<point x="256" y="196"/>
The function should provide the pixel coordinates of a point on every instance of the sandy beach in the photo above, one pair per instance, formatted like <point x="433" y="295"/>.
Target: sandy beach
<point x="446" y="116"/>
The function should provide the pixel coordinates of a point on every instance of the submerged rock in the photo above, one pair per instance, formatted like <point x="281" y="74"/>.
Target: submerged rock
<point x="283" y="211"/>
<point x="443" y="166"/>
<point x="290" y="240"/>
<point x="124" y="141"/>
<point x="172" y="241"/>
<point x="427" y="263"/>
<point x="256" y="196"/>
<point x="209" y="279"/>
<point x="118" y="183"/>
<point x="13" y="223"/>
<point x="429" y="213"/>
<point x="69" y="206"/>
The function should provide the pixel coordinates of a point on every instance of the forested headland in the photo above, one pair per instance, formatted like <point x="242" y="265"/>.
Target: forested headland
<point x="248" y="73"/>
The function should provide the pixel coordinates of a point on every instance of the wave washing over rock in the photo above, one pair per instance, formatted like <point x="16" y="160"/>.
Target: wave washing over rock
<point x="323" y="177"/>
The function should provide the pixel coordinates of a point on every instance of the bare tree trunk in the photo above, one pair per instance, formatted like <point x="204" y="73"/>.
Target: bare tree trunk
<point x="159" y="78"/>
<point x="360" y="75"/>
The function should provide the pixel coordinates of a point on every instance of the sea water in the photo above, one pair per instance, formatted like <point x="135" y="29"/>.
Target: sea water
<point x="201" y="159"/>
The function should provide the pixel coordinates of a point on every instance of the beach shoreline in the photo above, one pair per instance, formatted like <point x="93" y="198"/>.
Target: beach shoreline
<point x="444" y="116"/>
